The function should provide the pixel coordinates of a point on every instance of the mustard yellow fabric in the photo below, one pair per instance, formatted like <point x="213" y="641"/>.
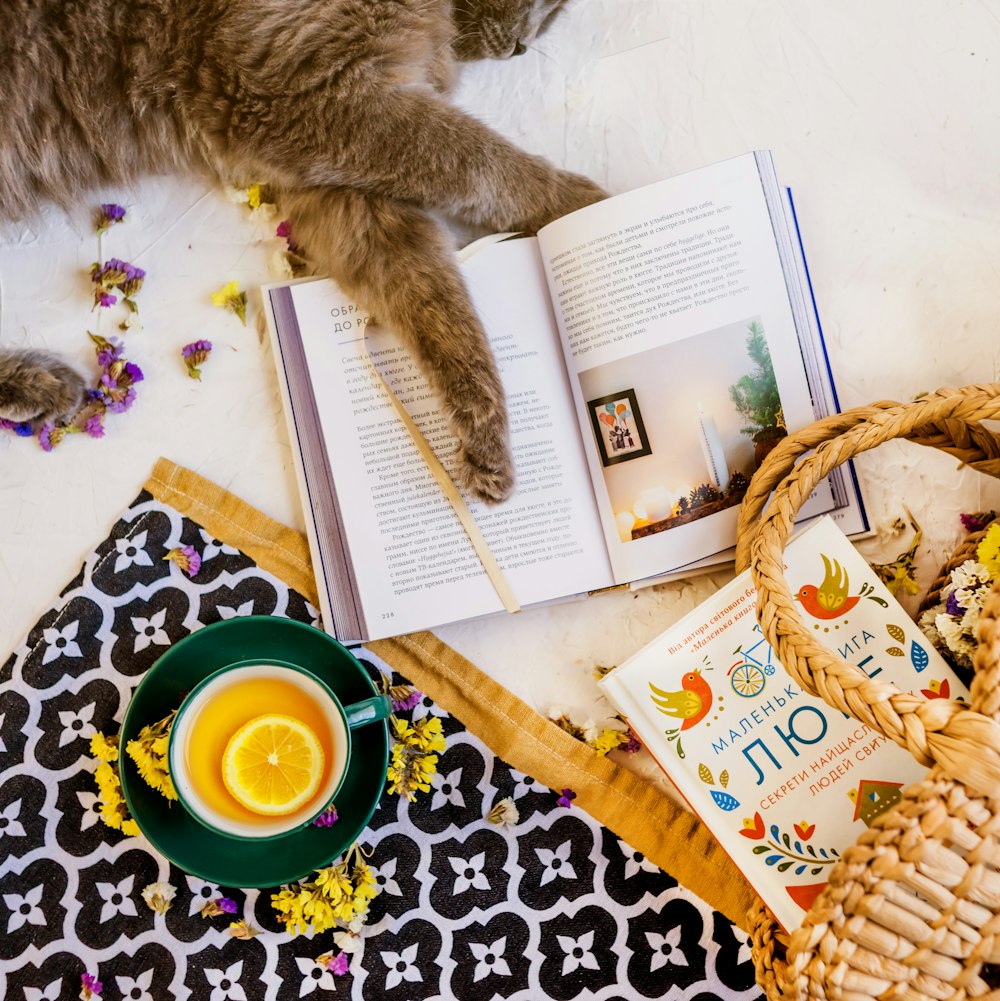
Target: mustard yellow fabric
<point x="636" y="811"/>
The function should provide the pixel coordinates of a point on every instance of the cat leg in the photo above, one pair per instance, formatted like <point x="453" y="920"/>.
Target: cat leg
<point x="394" y="260"/>
<point x="36" y="386"/>
<point x="412" y="146"/>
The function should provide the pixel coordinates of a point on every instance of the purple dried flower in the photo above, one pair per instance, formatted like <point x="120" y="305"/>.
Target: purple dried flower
<point x="195" y="347"/>
<point x="109" y="215"/>
<point x="95" y="426"/>
<point x="976" y="522"/>
<point x="187" y="558"/>
<point x="23" y="430"/>
<point x="632" y="745"/>
<point x="339" y="964"/>
<point x="567" y="797"/>
<point x="119" y="403"/>
<point x="226" y="905"/>
<point x="195" y="355"/>
<point x="952" y="607"/>
<point x="108" y="350"/>
<point x="133" y="372"/>
<point x="106" y="299"/>
<point x="90" y="986"/>
<point x="327" y="818"/>
<point x="404" y="698"/>
<point x="284" y="229"/>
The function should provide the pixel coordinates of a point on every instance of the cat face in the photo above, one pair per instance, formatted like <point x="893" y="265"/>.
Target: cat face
<point x="499" y="29"/>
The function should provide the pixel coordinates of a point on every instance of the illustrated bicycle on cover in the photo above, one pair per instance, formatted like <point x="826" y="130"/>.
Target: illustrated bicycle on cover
<point x="749" y="674"/>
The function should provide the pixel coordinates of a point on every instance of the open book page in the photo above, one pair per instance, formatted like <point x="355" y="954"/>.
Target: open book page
<point x="413" y="566"/>
<point x="683" y="356"/>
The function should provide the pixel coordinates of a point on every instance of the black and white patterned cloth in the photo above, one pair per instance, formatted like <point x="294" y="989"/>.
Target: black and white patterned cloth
<point x="554" y="907"/>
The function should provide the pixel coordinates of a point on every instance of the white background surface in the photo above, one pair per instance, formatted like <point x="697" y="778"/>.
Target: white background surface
<point x="883" y="116"/>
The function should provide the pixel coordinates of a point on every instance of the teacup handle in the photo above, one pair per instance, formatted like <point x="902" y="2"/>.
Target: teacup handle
<point x="369" y="711"/>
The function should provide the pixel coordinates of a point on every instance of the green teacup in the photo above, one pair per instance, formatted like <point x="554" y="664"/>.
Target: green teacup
<point x="229" y="698"/>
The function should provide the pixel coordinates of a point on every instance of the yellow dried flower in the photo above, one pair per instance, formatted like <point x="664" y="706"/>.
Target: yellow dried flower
<point x="104" y="748"/>
<point x="149" y="752"/>
<point x="898" y="574"/>
<point x="338" y="895"/>
<point x="608" y="740"/>
<point x="988" y="551"/>
<point x="243" y="930"/>
<point x="232" y="298"/>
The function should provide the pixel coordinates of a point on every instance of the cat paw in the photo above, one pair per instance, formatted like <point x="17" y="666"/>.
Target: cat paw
<point x="38" y="387"/>
<point x="566" y="193"/>
<point x="487" y="467"/>
<point x="489" y="484"/>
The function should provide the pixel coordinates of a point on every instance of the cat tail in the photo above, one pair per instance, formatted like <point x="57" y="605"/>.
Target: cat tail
<point x="394" y="260"/>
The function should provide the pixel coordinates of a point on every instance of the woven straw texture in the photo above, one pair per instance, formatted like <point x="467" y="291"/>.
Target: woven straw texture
<point x="913" y="909"/>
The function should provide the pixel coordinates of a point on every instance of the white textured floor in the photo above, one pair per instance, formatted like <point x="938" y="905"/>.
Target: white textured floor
<point x="885" y="119"/>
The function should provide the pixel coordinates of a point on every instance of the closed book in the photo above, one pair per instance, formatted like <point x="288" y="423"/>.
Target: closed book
<point x="784" y="781"/>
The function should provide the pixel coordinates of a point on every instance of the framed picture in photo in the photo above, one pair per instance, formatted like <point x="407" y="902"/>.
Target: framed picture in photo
<point x="618" y="427"/>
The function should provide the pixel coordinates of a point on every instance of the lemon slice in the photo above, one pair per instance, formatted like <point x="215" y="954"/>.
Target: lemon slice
<point x="273" y="764"/>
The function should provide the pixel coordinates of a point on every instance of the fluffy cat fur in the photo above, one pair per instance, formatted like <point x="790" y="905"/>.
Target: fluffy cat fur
<point x="341" y="105"/>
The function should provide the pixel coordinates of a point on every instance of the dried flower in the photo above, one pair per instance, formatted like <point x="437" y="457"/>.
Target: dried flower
<point x="158" y="896"/>
<point x="338" y="893"/>
<point x="195" y="355"/>
<point x="230" y="297"/>
<point x="220" y="905"/>
<point x="988" y="551"/>
<point x="404" y="697"/>
<point x="504" y="813"/>
<point x="95" y="426"/>
<point x="120" y="275"/>
<point x="567" y="797"/>
<point x="608" y="740"/>
<point x="632" y="745"/>
<point x="106" y="299"/>
<point x="108" y="216"/>
<point x="109" y="793"/>
<point x="90" y="987"/>
<point x="327" y="818"/>
<point x="104" y="748"/>
<point x="243" y="931"/>
<point x="898" y="574"/>
<point x="978" y="521"/>
<point x="50" y="436"/>
<point x="149" y="752"/>
<point x="339" y="964"/>
<point x="187" y="559"/>
<point x="413" y="762"/>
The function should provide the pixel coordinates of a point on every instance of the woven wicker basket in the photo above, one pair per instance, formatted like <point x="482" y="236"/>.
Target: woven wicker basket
<point x="913" y="909"/>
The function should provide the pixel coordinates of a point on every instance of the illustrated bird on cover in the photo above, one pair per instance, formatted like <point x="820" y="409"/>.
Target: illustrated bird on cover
<point x="691" y="704"/>
<point x="831" y="600"/>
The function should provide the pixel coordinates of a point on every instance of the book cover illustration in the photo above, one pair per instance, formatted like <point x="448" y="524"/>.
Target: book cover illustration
<point x="784" y="781"/>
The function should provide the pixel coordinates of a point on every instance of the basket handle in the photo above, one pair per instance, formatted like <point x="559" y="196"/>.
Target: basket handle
<point x="965" y="743"/>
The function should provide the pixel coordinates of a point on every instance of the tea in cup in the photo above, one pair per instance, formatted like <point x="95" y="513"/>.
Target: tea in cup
<point x="260" y="749"/>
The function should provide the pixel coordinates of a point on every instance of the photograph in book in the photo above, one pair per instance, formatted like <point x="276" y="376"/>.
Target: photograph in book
<point x="618" y="427"/>
<point x="785" y="782"/>
<point x="711" y="412"/>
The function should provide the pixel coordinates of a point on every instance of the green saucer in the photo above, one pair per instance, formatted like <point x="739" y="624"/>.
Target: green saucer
<point x="215" y="857"/>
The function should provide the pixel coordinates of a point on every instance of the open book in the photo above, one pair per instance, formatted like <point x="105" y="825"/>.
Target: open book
<point x="650" y="346"/>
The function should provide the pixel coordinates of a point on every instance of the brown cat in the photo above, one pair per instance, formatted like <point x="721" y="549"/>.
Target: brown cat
<point x="340" y="105"/>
